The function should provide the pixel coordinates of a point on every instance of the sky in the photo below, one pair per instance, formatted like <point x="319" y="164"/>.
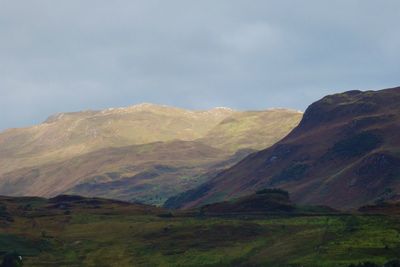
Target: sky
<point x="71" y="55"/>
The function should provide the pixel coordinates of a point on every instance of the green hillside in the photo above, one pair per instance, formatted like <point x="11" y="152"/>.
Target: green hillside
<point x="252" y="129"/>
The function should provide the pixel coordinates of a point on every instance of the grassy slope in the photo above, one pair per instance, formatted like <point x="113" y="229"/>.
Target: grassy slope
<point x="252" y="129"/>
<point x="344" y="153"/>
<point x="99" y="151"/>
<point x="107" y="233"/>
<point x="70" y="134"/>
<point x="130" y="173"/>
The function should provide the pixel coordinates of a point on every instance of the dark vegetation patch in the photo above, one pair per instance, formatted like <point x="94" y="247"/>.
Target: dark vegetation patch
<point x="377" y="170"/>
<point x="364" y="122"/>
<point x="391" y="263"/>
<point x="356" y="145"/>
<point x="60" y="205"/>
<point x="12" y="259"/>
<point x="179" y="200"/>
<point x="273" y="191"/>
<point x="263" y="201"/>
<point x="25" y="246"/>
<point x="30" y="201"/>
<point x="379" y="165"/>
<point x="177" y="239"/>
<point x="381" y="207"/>
<point x="66" y="202"/>
<point x="294" y="172"/>
<point x="318" y="209"/>
<point x="66" y="198"/>
<point x="353" y="109"/>
<point x="387" y="194"/>
<point x="4" y="214"/>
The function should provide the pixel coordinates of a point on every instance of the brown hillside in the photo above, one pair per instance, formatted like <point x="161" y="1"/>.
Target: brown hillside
<point x="345" y="153"/>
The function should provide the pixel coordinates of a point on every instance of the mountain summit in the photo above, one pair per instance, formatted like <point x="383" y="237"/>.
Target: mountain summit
<point x="144" y="152"/>
<point x="345" y="153"/>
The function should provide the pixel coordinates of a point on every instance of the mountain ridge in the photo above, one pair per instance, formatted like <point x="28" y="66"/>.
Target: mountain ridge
<point x="66" y="149"/>
<point x="332" y="157"/>
<point x="65" y="135"/>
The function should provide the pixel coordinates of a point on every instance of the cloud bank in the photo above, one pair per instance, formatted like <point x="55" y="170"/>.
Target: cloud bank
<point x="71" y="55"/>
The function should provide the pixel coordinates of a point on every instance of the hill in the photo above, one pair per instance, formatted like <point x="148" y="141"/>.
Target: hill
<point x="144" y="153"/>
<point x="66" y="135"/>
<point x="147" y="173"/>
<point x="345" y="153"/>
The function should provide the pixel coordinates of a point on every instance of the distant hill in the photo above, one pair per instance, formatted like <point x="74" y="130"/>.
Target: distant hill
<point x="66" y="135"/>
<point x="144" y="153"/>
<point x="345" y="153"/>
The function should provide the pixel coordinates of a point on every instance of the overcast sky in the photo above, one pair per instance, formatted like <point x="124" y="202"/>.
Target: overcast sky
<point x="70" y="55"/>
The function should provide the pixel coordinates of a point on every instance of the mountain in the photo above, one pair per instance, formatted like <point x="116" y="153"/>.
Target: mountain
<point x="66" y="135"/>
<point x="144" y="153"/>
<point x="345" y="153"/>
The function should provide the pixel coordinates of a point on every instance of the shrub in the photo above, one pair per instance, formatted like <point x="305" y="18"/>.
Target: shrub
<point x="12" y="259"/>
<point x="392" y="263"/>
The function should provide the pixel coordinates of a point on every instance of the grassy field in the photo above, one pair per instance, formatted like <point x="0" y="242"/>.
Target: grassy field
<point x="92" y="232"/>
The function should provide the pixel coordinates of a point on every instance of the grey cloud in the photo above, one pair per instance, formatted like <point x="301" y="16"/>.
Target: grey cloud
<point x="72" y="55"/>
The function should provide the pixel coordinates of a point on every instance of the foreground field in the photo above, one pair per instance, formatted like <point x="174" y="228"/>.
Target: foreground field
<point x="73" y="231"/>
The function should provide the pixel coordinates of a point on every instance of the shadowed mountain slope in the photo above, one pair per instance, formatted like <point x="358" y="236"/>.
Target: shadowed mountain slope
<point x="344" y="153"/>
<point x="266" y="201"/>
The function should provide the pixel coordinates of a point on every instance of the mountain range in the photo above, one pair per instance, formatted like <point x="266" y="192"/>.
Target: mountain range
<point x="345" y="153"/>
<point x="144" y="153"/>
<point x="153" y="185"/>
